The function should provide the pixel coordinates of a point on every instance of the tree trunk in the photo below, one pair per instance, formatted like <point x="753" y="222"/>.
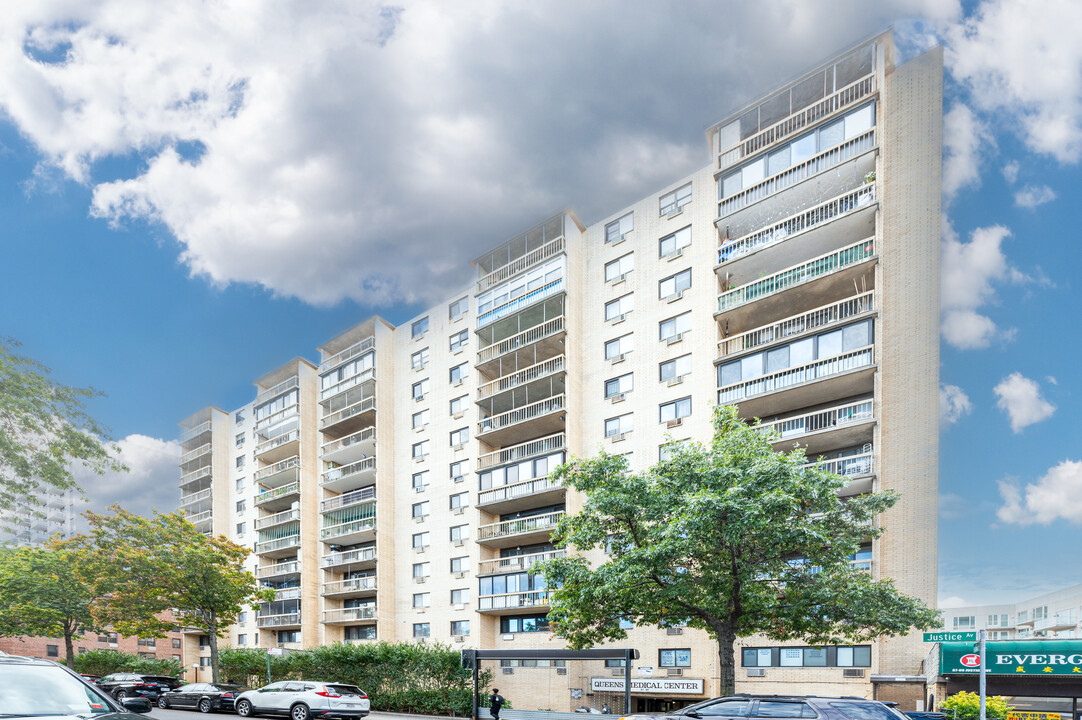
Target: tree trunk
<point x="69" y="650"/>
<point x="212" y="627"/>
<point x="726" y="659"/>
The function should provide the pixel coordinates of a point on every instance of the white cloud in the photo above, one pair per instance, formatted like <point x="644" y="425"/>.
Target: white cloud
<point x="1033" y="195"/>
<point x="1055" y="496"/>
<point x="1010" y="172"/>
<point x="968" y="273"/>
<point x="953" y="602"/>
<point x="964" y="134"/>
<point x="1021" y="398"/>
<point x="953" y="404"/>
<point x="150" y="484"/>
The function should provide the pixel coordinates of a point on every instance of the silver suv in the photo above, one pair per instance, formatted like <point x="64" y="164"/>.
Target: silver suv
<point x="303" y="700"/>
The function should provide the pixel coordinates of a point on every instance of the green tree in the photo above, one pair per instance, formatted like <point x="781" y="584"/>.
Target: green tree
<point x="160" y="574"/>
<point x="44" y="427"/>
<point x="732" y="538"/>
<point x="45" y="593"/>
<point x="967" y="706"/>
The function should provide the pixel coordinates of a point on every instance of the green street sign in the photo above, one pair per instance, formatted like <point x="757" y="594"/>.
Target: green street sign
<point x="1008" y="657"/>
<point x="950" y="637"/>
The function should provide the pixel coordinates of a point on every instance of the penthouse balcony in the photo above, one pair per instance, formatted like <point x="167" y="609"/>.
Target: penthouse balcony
<point x="350" y="616"/>
<point x="279" y="447"/>
<point x="354" y="587"/>
<point x="365" y="377"/>
<point x="524" y="338"/>
<point x="197" y="431"/>
<point x="348" y="500"/>
<point x="520" y="496"/>
<point x="286" y="414"/>
<point x="279" y="473"/>
<point x="530" y="378"/>
<point x="359" y="348"/>
<point x="518" y="424"/>
<point x="280" y="498"/>
<point x="286" y="516"/>
<point x="523" y="301"/>
<point x="279" y="389"/>
<point x="516" y="603"/>
<point x="844" y="425"/>
<point x="351" y="448"/>
<point x="278" y="571"/>
<point x="359" y="559"/>
<point x="279" y="547"/>
<point x="348" y="413"/>
<point x="814" y="283"/>
<point x="349" y="477"/>
<point x="859" y="470"/>
<point x="56" y="499"/>
<point x="849" y="374"/>
<point x="521" y="264"/>
<point x="520" y="531"/>
<point x="189" y="480"/>
<point x="348" y="533"/>
<point x="1065" y="620"/>
<point x="796" y="326"/>
<point x="515" y="563"/>
<point x="281" y="622"/>
<point x="520" y="253"/>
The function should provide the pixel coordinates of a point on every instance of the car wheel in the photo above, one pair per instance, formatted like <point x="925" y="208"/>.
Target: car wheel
<point x="204" y="706"/>
<point x="244" y="708"/>
<point x="300" y="711"/>
<point x="121" y="694"/>
<point x="163" y="703"/>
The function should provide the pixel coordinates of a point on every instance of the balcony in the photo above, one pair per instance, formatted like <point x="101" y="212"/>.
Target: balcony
<point x="349" y="499"/>
<point x="285" y="620"/>
<point x="522" y="378"/>
<point x="515" y="603"/>
<point x="521" y="531"/>
<point x="351" y="532"/>
<point x="364" y="376"/>
<point x="279" y="547"/>
<point x="519" y="303"/>
<point x="525" y="451"/>
<point x="349" y="477"/>
<point x="544" y="417"/>
<point x="360" y="559"/>
<point x="289" y="412"/>
<point x="358" y="348"/>
<point x="847" y="375"/>
<point x="281" y="518"/>
<point x="56" y="513"/>
<point x="187" y="502"/>
<point x="548" y="337"/>
<point x="859" y="470"/>
<point x="793" y="327"/>
<point x="350" y="419"/>
<point x="515" y="563"/>
<point x="192" y="433"/>
<point x="195" y="454"/>
<point x="293" y="593"/>
<point x="354" y="587"/>
<point x="820" y="229"/>
<point x="278" y="570"/>
<point x="279" y="389"/>
<point x="56" y="499"/>
<point x="201" y="520"/>
<point x="815" y="283"/>
<point x="841" y="426"/>
<point x="279" y="498"/>
<point x="279" y="447"/>
<point x="350" y="616"/>
<point x="195" y="476"/>
<point x="536" y="257"/>
<point x="350" y="448"/>
<point x="280" y="473"/>
<point x="520" y="496"/>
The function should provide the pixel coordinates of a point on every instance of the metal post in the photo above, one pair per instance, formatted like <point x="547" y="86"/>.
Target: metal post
<point x="476" y="702"/>
<point x="268" y="667"/>
<point x="983" y="670"/>
<point x="627" y="682"/>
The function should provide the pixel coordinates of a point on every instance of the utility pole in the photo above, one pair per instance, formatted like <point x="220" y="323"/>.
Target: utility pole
<point x="984" y="669"/>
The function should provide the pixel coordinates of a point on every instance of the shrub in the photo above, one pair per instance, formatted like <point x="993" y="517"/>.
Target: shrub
<point x="967" y="706"/>
<point x="106" y="662"/>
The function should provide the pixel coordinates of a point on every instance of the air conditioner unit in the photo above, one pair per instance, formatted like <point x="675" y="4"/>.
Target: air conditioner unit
<point x="460" y="606"/>
<point x="459" y="575"/>
<point x="458" y="350"/>
<point x="673" y="339"/>
<point x="458" y="447"/>
<point x="459" y="543"/>
<point x="675" y="254"/>
<point x="756" y="672"/>
<point x="674" y="297"/>
<point x="674" y="631"/>
<point x="458" y="478"/>
<point x="508" y="671"/>
<point x="458" y="511"/>
<point x="674" y="211"/>
<point x="419" y="428"/>
<point x="618" y="437"/>
<point x="675" y="423"/>
<point x="459" y="415"/>
<point x="419" y="368"/>
<point x="618" y="279"/>
<point x="419" y="458"/>
<point x="458" y="382"/>
<point x="418" y="398"/>
<point x="422" y="579"/>
<point x="420" y="518"/>
<point x="419" y="488"/>
<point x="561" y="671"/>
<point x="618" y="397"/>
<point x="675" y="380"/>
<point x="619" y="358"/>
<point x="618" y="319"/>
<point x="619" y="672"/>
<point x="421" y="548"/>
<point x="618" y="239"/>
<point x="852" y="673"/>
<point x="458" y="638"/>
<point x="674" y="671"/>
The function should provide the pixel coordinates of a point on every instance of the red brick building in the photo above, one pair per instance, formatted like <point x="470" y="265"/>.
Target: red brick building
<point x="53" y="648"/>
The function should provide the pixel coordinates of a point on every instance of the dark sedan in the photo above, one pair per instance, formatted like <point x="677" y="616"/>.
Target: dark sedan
<point x="204" y="697"/>
<point x="122" y="685"/>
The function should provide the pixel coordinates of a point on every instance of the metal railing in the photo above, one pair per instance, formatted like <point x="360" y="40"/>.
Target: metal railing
<point x="790" y="327"/>
<point x="283" y="620"/>
<point x="529" y="298"/>
<point x="522" y="414"/>
<point x="292" y="488"/>
<point x="349" y="440"/>
<point x="534" y="523"/>
<point x="350" y="498"/>
<point x="368" y="403"/>
<point x="516" y="490"/>
<point x="843" y="98"/>
<point x="195" y="431"/>
<point x="528" y="374"/>
<point x="282" y="466"/>
<point x="791" y="176"/>
<point x="200" y="517"/>
<point x="353" y="350"/>
<point x="195" y="475"/>
<point x="352" y="585"/>
<point x="349" y="556"/>
<point x="795" y="224"/>
<point x="352" y="381"/>
<point x="276" y="390"/>
<point x="503" y="601"/>
<point x="791" y="377"/>
<point x="523" y="451"/>
<point x="347" y="614"/>
<point x="277" y="441"/>
<point x="541" y="254"/>
<point x="851" y="466"/>
<point x="288" y="594"/>
<point x="853" y="254"/>
<point x="289" y="541"/>
<point x="194" y="454"/>
<point x="194" y="498"/>
<point x="285" y="568"/>
<point x="347" y="528"/>
<point x="516" y="563"/>
<point x="529" y="336"/>
<point x="277" y="417"/>
<point x="351" y="469"/>
<point x="831" y="419"/>
<point x="277" y="519"/>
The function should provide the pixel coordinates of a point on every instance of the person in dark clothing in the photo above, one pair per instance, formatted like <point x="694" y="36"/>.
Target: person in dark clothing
<point x="495" y="702"/>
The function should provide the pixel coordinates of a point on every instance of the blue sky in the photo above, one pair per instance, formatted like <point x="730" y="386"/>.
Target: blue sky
<point x="190" y="197"/>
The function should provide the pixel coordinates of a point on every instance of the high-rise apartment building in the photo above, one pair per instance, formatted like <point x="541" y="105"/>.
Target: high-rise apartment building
<point x="400" y="489"/>
<point x="50" y="515"/>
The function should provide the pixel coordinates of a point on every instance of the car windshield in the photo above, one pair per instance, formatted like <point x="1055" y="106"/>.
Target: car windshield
<point x="47" y="690"/>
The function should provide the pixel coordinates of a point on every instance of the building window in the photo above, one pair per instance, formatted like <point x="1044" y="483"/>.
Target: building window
<point x="677" y="367"/>
<point x="238" y="417"/>
<point x="667" y="451"/>
<point x="460" y="533"/>
<point x="52" y="651"/>
<point x="421" y="540"/>
<point x="240" y="506"/>
<point x="618" y="228"/>
<point x="419" y="328"/>
<point x="618" y="308"/>
<point x="458" y="308"/>
<point x="615" y="663"/>
<point x="420" y="510"/>
<point x="422" y="570"/>
<point x="422" y="600"/>
<point x="240" y="528"/>
<point x="242" y="639"/>
<point x="673" y="201"/>
<point x="419" y="359"/>
<point x="242" y="618"/>
<point x="421" y="449"/>
<point x="460" y="564"/>
<point x="239" y="441"/>
<point x="420" y="389"/>
<point x="420" y="480"/>
<point x="618" y="347"/>
<point x="619" y="268"/>
<point x="459" y="341"/>
<point x="675" y="410"/>
<point x="459" y="405"/>
<point x="1040" y="613"/>
<point x="420" y="419"/>
<point x="620" y="385"/>
<point x="674" y="328"/>
<point x="460" y="596"/>
<point x="177" y="643"/>
<point x="240" y="484"/>
<point x="520" y="472"/>
<point x="459" y="470"/>
<point x="240" y="461"/>
<point x="524" y="624"/>
<point x="998" y="621"/>
<point x="674" y="284"/>
<point x="674" y="658"/>
<point x="458" y="373"/>
<point x="421" y="630"/>
<point x="844" y="656"/>
<point x="284" y="636"/>
<point x="362" y="632"/>
<point x="671" y="244"/>
<point x="460" y="500"/>
<point x="460" y="436"/>
<point x="460" y="627"/>
<point x="619" y="425"/>
<point x="965" y="623"/>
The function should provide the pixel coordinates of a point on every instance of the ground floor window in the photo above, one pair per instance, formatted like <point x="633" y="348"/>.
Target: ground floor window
<point x="674" y="658"/>
<point x="842" y="656"/>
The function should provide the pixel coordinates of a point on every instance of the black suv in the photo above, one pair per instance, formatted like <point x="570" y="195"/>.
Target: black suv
<point x="739" y="707"/>
<point x="122" y="685"/>
<point x="32" y="688"/>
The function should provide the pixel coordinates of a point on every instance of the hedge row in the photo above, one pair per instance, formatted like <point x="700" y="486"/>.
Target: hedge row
<point x="106" y="662"/>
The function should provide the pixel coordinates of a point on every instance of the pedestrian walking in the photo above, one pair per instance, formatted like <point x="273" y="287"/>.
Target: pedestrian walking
<point x="495" y="702"/>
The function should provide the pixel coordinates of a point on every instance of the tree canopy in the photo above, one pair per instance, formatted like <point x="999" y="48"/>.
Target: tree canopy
<point x="733" y="538"/>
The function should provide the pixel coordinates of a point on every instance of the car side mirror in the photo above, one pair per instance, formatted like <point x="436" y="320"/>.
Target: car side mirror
<point x="136" y="704"/>
<point x="692" y="714"/>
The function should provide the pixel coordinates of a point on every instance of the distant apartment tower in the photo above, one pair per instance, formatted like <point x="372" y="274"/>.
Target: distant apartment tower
<point x="51" y="514"/>
<point x="400" y="489"/>
<point x="1051" y="616"/>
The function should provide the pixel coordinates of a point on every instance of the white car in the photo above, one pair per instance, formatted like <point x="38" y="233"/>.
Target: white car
<point x="304" y="700"/>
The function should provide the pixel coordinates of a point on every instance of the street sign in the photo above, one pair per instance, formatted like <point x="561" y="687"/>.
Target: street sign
<point x="275" y="651"/>
<point x="950" y="637"/>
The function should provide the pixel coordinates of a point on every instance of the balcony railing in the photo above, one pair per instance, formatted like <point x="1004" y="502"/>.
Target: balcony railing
<point x="504" y="601"/>
<point x="809" y="219"/>
<point x="352" y="585"/>
<point x="268" y="495"/>
<point x="791" y="377"/>
<point x="540" y="255"/>
<point x="285" y="568"/>
<point x="349" y="556"/>
<point x="516" y="490"/>
<point x="279" y="441"/>
<point x="347" y="383"/>
<point x="348" y="441"/>
<point x="195" y="475"/>
<point x="529" y="298"/>
<point x="522" y="414"/>
<point x="843" y="98"/>
<point x="353" y="350"/>
<point x="528" y="374"/>
<point x="195" y="454"/>
<point x="195" y="431"/>
<point x="348" y="614"/>
<point x="287" y="594"/>
<point x="277" y="417"/>
<point x="277" y="390"/>
<point x="277" y="519"/>
<point x="791" y="176"/>
<point x="823" y="420"/>
<point x="534" y="523"/>
<point x="350" y="498"/>
<point x="369" y="403"/>
<point x="516" y="453"/>
<point x="516" y="563"/>
<point x="283" y="620"/>
<point x="351" y="469"/>
<point x="529" y="336"/>
<point x="202" y="517"/>
<point x="290" y="541"/>
<point x="194" y="498"/>
<point x="823" y="265"/>
<point x="278" y="467"/>
<point x="348" y="528"/>
<point x="798" y="324"/>
<point x="851" y="466"/>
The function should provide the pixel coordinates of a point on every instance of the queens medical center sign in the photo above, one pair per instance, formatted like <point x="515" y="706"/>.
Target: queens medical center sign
<point x="1025" y="657"/>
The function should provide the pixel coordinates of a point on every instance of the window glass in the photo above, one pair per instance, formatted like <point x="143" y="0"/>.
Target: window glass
<point x="779" y="160"/>
<point x="862" y="656"/>
<point x="458" y="307"/>
<point x="777" y="359"/>
<point x="830" y="344"/>
<point x="419" y="328"/>
<point x="753" y="172"/>
<point x="620" y="266"/>
<point x="674" y="283"/>
<point x="845" y="657"/>
<point x="751" y="367"/>
<point x="832" y="134"/>
<point x="670" y="243"/>
<point x="730" y="374"/>
<point x="779" y="709"/>
<point x="792" y="657"/>
<point x="801" y="352"/>
<point x="815" y="657"/>
<point x="859" y="121"/>
<point x="864" y="710"/>
<point x="730" y="185"/>
<point x="730" y="708"/>
<point x="802" y="148"/>
<point x="856" y="336"/>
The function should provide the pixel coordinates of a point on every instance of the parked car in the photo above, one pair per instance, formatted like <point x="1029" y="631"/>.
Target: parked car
<point x="204" y="697"/>
<point x="31" y="688"/>
<point x="92" y="679"/>
<point x="304" y="699"/>
<point x="781" y="706"/>
<point x="122" y="685"/>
